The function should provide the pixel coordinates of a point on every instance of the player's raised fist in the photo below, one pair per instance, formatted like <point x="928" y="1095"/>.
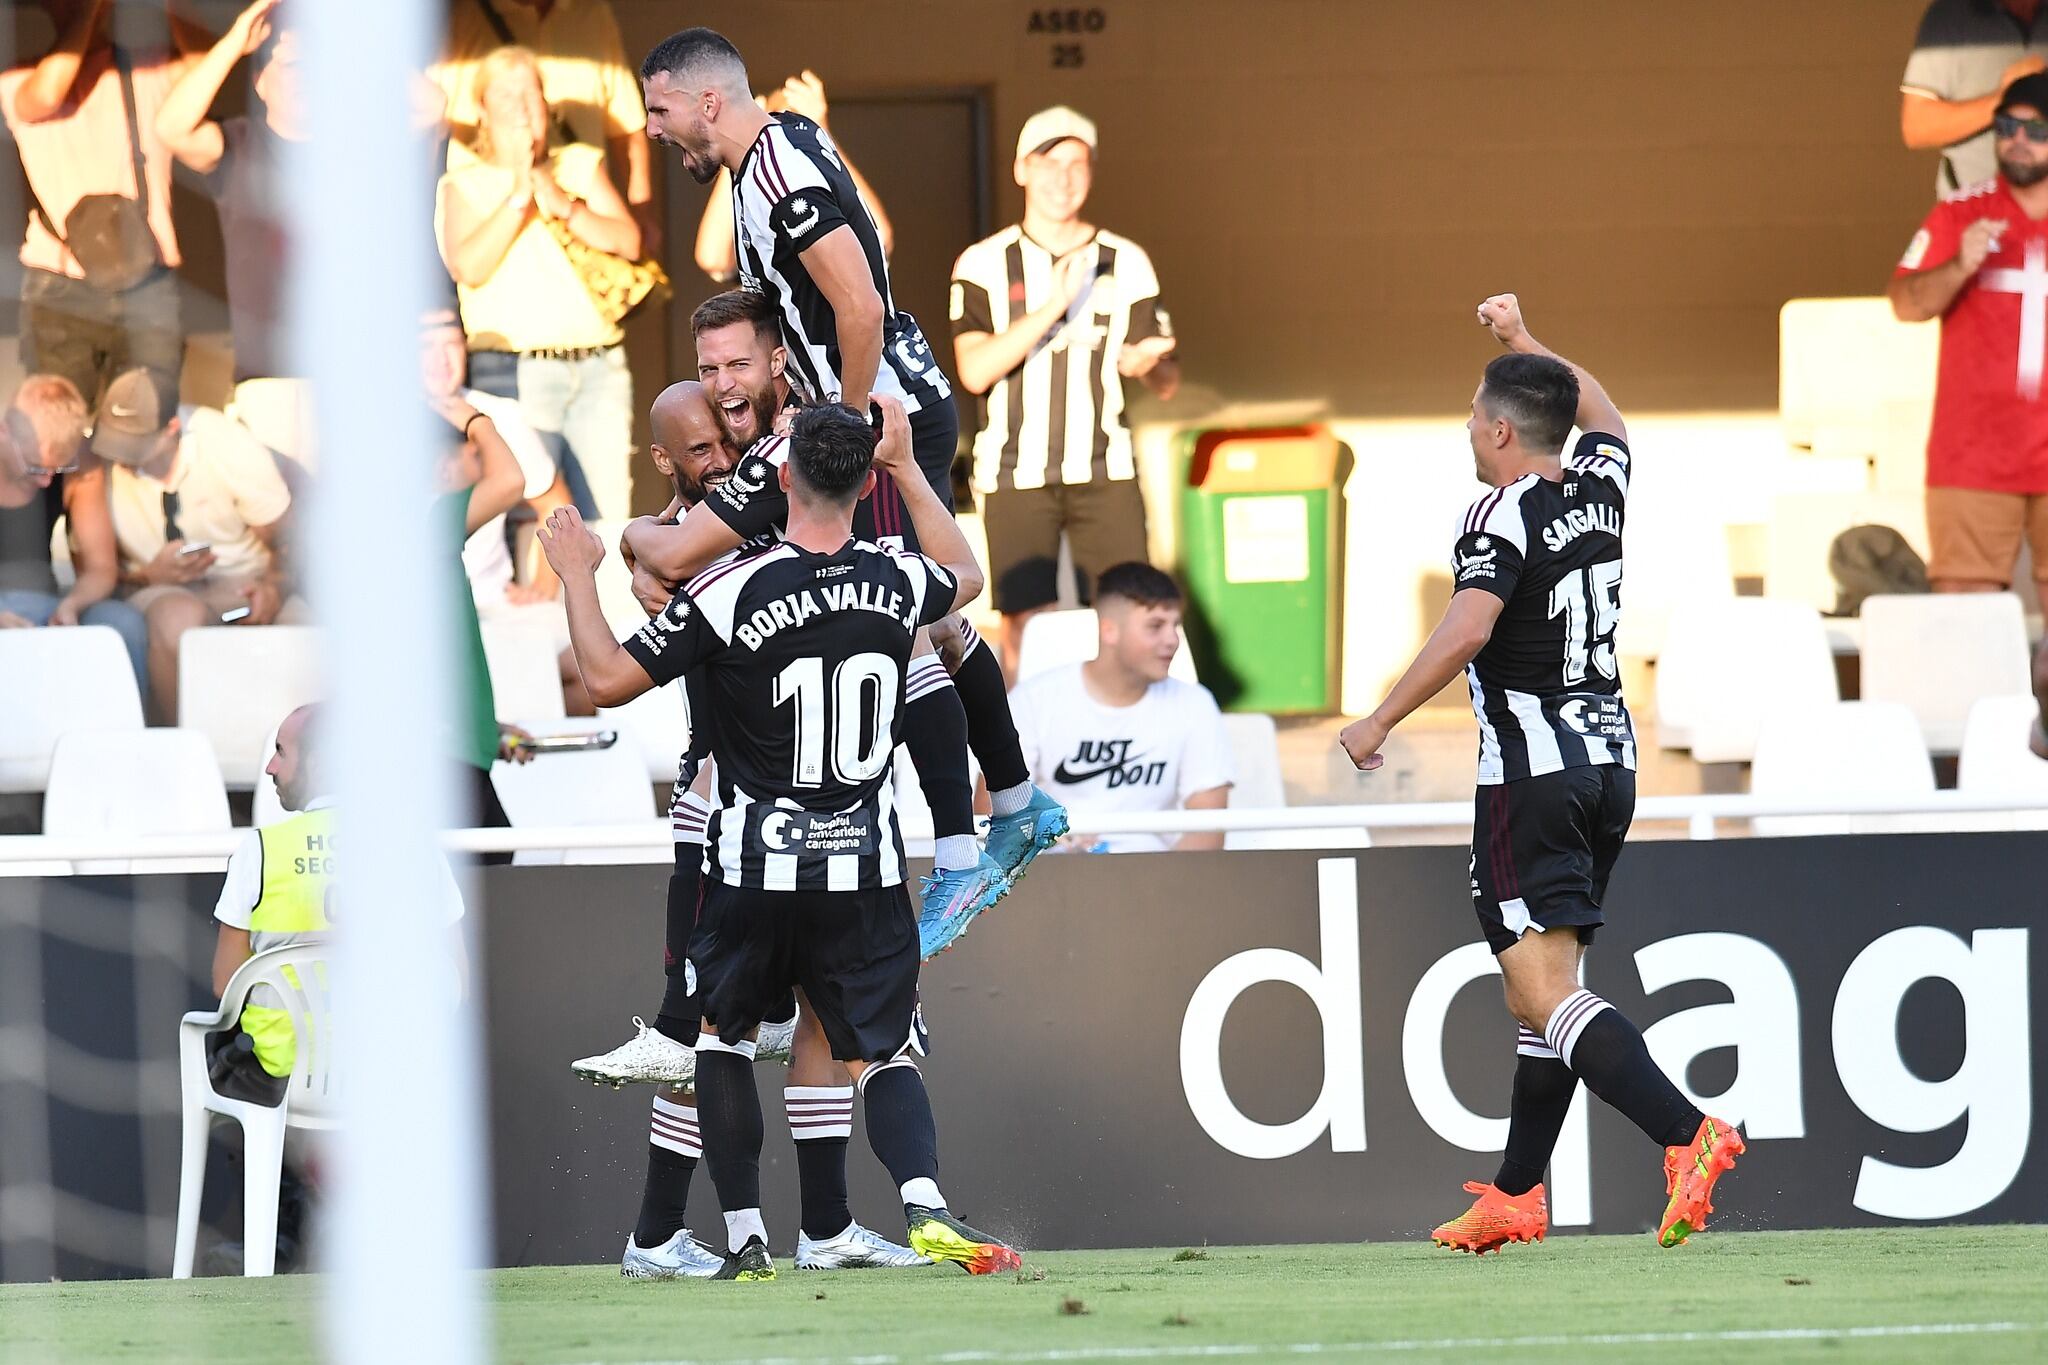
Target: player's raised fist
<point x="1362" y="739"/>
<point x="893" y="451"/>
<point x="571" y="547"/>
<point x="1980" y="239"/>
<point x="1502" y="315"/>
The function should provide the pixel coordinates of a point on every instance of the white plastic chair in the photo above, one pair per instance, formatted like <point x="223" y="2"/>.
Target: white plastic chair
<point x="622" y="610"/>
<point x="1726" y="664"/>
<point x="235" y="683"/>
<point x="1939" y="652"/>
<point x="136" y="782"/>
<point x="1677" y="557"/>
<point x="597" y="787"/>
<point x="297" y="977"/>
<point x="1803" y="527"/>
<point x="57" y="680"/>
<point x="657" y="724"/>
<point x="1996" y="758"/>
<point x="1844" y="748"/>
<point x="1257" y="784"/>
<point x="526" y="670"/>
<point x="1053" y="638"/>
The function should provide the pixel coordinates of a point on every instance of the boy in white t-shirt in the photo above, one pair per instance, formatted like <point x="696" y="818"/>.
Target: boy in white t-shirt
<point x="1116" y="734"/>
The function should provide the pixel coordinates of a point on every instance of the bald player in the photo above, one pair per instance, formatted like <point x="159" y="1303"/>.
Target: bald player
<point x="692" y="450"/>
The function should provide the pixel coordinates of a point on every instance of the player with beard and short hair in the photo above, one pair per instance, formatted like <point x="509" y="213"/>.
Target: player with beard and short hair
<point x="808" y="245"/>
<point x="690" y="449"/>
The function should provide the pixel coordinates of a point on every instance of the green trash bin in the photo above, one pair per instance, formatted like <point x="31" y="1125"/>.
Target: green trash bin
<point x="1258" y="544"/>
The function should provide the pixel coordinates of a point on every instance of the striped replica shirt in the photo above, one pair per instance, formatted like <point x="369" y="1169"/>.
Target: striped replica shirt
<point x="788" y="194"/>
<point x="1059" y="417"/>
<point x="1547" y="687"/>
<point x="803" y="657"/>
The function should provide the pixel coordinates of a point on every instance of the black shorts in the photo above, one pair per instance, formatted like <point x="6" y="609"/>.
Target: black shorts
<point x="1104" y="522"/>
<point x="1543" y="849"/>
<point x="934" y="439"/>
<point x="677" y="954"/>
<point x="854" y="954"/>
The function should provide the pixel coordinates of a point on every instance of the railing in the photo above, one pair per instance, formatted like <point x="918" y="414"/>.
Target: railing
<point x="1700" y="815"/>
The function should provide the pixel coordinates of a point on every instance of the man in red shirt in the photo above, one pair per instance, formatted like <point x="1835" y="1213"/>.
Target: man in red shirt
<point x="1980" y="264"/>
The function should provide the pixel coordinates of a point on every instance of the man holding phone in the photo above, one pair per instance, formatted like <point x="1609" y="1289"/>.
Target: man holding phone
<point x="201" y="515"/>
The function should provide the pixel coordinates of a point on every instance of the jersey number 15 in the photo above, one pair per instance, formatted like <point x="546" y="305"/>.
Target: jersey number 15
<point x="853" y="721"/>
<point x="1589" y="599"/>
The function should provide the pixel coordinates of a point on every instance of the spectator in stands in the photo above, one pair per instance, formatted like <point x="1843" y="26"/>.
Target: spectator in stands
<point x="97" y="290"/>
<point x="1965" y="55"/>
<point x="242" y="162"/>
<point x="516" y="228"/>
<point x="715" y="252"/>
<point x="480" y="482"/>
<point x="593" y="91"/>
<point x="1051" y="317"/>
<point x="201" y="515"/>
<point x="46" y="473"/>
<point x="1977" y="263"/>
<point x="1116" y="734"/>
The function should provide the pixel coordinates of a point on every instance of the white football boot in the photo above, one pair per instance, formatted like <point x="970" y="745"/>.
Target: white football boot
<point x="854" y="1249"/>
<point x="650" y="1055"/>
<point x="680" y="1257"/>
<point x="772" y="1043"/>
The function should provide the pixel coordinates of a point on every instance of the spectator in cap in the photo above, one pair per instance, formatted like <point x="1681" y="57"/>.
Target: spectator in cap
<point x="1980" y="263"/>
<point x="201" y="515"/>
<point x="46" y="473"/>
<point x="242" y="162"/>
<point x="1964" y="56"/>
<point x="1052" y="318"/>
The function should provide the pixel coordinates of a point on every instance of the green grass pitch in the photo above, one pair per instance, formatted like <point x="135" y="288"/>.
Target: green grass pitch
<point x="1975" y="1294"/>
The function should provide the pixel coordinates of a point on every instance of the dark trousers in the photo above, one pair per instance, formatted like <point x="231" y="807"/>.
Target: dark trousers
<point x="485" y="811"/>
<point x="88" y="336"/>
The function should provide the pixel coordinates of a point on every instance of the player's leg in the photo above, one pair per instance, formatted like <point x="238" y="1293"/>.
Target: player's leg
<point x="857" y="961"/>
<point x="819" y="1103"/>
<point x="964" y="880"/>
<point x="661" y="1247"/>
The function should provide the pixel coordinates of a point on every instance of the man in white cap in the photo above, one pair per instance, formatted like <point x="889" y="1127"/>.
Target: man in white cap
<point x="1051" y="317"/>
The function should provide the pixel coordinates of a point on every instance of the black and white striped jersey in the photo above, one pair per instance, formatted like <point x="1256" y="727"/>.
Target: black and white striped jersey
<point x="790" y="191"/>
<point x="1058" y="418"/>
<point x="803" y="657"/>
<point x="1547" y="687"/>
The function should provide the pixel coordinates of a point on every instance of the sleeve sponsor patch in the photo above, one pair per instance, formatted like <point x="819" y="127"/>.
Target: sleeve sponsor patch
<point x="746" y="481"/>
<point x="806" y="215"/>
<point x="1916" y="250"/>
<point x="1479" y="563"/>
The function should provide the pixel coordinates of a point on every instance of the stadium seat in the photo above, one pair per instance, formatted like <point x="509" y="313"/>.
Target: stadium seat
<point x="1728" y="663"/>
<point x="68" y="678"/>
<point x="235" y="683"/>
<point x="1675" y="559"/>
<point x="1996" y="759"/>
<point x="135" y="782"/>
<point x="1053" y="638"/>
<point x="1939" y="652"/>
<point x="657" y="724"/>
<point x="1840" y="361"/>
<point x="1255" y="755"/>
<point x="1838" y="749"/>
<point x="1804" y="525"/>
<point x="622" y="610"/>
<point x="526" y="669"/>
<point x="598" y="787"/>
<point x="296" y="978"/>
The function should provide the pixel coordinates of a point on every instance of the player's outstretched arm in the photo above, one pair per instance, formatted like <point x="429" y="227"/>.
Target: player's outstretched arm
<point x="1502" y="315"/>
<point x="1456" y="641"/>
<point x="610" y="675"/>
<point x="675" y="551"/>
<point x="938" y="535"/>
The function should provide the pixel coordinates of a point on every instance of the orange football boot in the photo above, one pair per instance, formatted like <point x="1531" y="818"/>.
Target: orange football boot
<point x="1495" y="1219"/>
<point x="1713" y="1151"/>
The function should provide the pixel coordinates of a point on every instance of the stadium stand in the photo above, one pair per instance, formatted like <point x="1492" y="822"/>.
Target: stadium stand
<point x="1728" y="663"/>
<point x="1995" y="758"/>
<point x="657" y="726"/>
<point x="526" y="677"/>
<point x="120" y="782"/>
<point x="58" y="681"/>
<point x="594" y="787"/>
<point x="236" y="682"/>
<point x="1837" y="749"/>
<point x="1937" y="654"/>
<point x="1259" y="785"/>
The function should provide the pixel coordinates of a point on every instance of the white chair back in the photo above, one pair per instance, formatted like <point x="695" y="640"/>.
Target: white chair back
<point x="1939" y="652"/>
<point x="1803" y="527"/>
<point x="135" y="782"/>
<point x="597" y="787"/>
<point x="236" y="683"/>
<point x="1996" y="759"/>
<point x="657" y="724"/>
<point x="1728" y="663"/>
<point x="1055" y="638"/>
<point x="58" y="680"/>
<point x="1677" y="558"/>
<point x="1257" y="784"/>
<point x="295" y="979"/>
<point x="1844" y="748"/>
<point x="526" y="670"/>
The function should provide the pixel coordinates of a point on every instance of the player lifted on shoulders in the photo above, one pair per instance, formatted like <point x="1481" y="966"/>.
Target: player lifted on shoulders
<point x="804" y="645"/>
<point x="1535" y="601"/>
<point x="807" y="242"/>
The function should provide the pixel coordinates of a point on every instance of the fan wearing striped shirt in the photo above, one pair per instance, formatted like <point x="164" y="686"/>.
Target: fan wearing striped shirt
<point x="1536" y="599"/>
<point x="809" y="246"/>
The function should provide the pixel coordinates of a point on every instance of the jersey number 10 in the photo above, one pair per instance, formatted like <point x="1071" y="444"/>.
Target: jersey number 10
<point x="861" y="701"/>
<point x="1589" y="635"/>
